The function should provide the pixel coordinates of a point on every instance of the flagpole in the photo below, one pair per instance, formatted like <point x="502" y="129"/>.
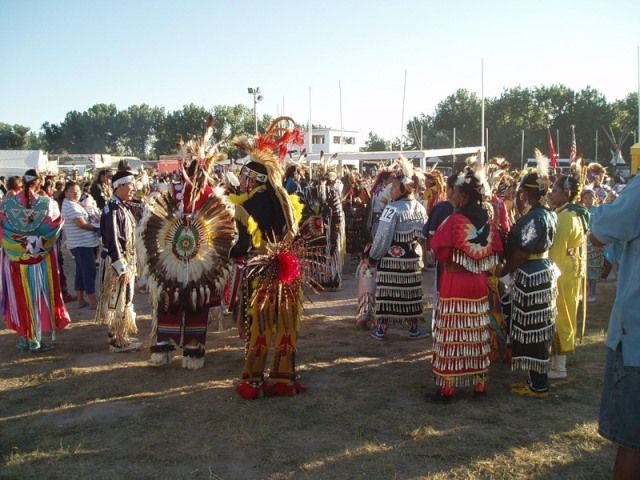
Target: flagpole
<point x="482" y="105"/>
<point x="454" y="145"/>
<point x="341" y="130"/>
<point x="404" y="95"/>
<point x="522" y="151"/>
<point x="310" y="128"/>
<point x="574" y="147"/>
<point x="558" y="142"/>
<point x="596" y="159"/>
<point x="487" y="135"/>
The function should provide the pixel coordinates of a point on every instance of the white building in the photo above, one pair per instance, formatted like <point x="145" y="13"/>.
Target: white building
<point x="332" y="140"/>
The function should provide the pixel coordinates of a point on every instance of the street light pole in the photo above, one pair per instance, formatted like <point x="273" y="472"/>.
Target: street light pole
<point x="256" y="98"/>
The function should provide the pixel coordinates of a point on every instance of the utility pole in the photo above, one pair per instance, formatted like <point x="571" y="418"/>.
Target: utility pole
<point x="256" y="98"/>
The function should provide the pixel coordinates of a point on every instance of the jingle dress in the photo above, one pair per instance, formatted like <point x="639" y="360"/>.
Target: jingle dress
<point x="461" y="333"/>
<point x="397" y="252"/>
<point x="533" y="311"/>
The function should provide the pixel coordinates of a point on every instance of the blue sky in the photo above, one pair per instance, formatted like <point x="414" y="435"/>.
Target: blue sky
<point x="57" y="56"/>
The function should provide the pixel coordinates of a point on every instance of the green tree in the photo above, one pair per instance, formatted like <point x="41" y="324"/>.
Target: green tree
<point x="591" y="111"/>
<point x="138" y="128"/>
<point x="462" y="112"/>
<point x="624" y="122"/>
<point x="232" y="120"/>
<point x="418" y="132"/>
<point x="375" y="143"/>
<point x="515" y="110"/>
<point x="188" y="122"/>
<point x="52" y="140"/>
<point x="14" y="137"/>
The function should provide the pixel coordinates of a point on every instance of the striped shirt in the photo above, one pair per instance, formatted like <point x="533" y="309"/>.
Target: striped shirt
<point x="76" y="236"/>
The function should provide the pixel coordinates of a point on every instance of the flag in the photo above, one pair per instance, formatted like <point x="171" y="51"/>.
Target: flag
<point x="553" y="160"/>
<point x="574" y="149"/>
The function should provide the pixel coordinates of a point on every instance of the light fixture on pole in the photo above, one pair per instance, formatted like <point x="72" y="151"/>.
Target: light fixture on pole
<point x="256" y="98"/>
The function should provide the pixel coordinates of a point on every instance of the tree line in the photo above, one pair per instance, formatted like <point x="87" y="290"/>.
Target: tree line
<point x="140" y="130"/>
<point x="147" y="132"/>
<point x="532" y="110"/>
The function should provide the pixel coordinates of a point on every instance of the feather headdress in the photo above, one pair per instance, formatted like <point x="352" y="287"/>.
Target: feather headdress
<point x="594" y="169"/>
<point x="196" y="158"/>
<point x="537" y="179"/>
<point x="475" y="168"/>
<point x="578" y="171"/>
<point x="327" y="167"/>
<point x="542" y="169"/>
<point x="270" y="150"/>
<point x="405" y="171"/>
<point x="542" y="164"/>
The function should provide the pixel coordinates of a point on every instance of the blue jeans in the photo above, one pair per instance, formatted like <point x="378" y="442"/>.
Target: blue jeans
<point x="620" y="404"/>
<point x="85" y="269"/>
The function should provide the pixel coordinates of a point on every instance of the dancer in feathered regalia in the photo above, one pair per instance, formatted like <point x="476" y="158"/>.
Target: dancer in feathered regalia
<point x="270" y="304"/>
<point x="185" y="237"/>
<point x="323" y="218"/>
<point x="356" y="203"/>
<point x="32" y="302"/>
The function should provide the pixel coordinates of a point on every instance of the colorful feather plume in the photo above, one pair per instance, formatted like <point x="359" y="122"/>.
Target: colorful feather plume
<point x="283" y="272"/>
<point x="184" y="253"/>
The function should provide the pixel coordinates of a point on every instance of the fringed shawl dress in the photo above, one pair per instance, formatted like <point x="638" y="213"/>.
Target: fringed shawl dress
<point x="534" y="292"/>
<point x="397" y="251"/>
<point x="462" y="325"/>
<point x="356" y="209"/>
<point x="31" y="281"/>
<point x="595" y="256"/>
<point x="323" y="220"/>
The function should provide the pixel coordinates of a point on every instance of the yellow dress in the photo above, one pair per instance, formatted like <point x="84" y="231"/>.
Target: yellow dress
<point x="566" y="253"/>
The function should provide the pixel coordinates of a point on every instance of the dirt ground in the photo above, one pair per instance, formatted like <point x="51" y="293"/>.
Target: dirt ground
<point x="82" y="412"/>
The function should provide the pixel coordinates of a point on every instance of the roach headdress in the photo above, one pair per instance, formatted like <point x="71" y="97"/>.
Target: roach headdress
<point x="267" y="153"/>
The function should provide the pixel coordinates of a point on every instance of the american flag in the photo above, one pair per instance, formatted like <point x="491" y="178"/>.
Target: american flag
<point x="574" y="149"/>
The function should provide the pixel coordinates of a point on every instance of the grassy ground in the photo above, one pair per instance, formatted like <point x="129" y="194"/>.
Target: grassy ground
<point x="81" y="412"/>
